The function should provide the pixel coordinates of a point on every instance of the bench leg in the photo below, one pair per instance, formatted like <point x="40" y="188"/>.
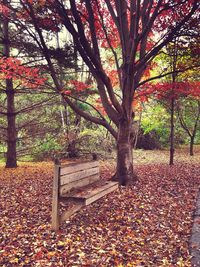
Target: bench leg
<point x="66" y="214"/>
<point x="55" y="201"/>
<point x="55" y="216"/>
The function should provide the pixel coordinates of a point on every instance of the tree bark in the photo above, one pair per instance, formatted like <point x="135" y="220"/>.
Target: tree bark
<point x="171" y="158"/>
<point x="124" y="171"/>
<point x="192" y="146"/>
<point x="11" y="157"/>
<point x="11" y="160"/>
<point x="138" y="130"/>
<point x="174" y="74"/>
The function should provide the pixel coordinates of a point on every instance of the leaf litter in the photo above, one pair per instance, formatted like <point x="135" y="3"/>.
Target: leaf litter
<point x="146" y="225"/>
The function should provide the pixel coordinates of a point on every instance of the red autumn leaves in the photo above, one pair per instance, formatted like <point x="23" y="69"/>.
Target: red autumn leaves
<point x="12" y="68"/>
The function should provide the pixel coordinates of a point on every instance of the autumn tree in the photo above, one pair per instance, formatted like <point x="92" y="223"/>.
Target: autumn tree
<point x="189" y="118"/>
<point x="133" y="31"/>
<point x="179" y="51"/>
<point x="188" y="107"/>
<point x="185" y="86"/>
<point x="170" y="91"/>
<point x="180" y="61"/>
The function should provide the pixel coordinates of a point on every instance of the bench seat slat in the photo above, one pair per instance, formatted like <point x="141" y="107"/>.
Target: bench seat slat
<point x="93" y="194"/>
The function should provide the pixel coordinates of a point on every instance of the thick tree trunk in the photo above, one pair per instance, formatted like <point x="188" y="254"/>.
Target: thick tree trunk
<point x="125" y="173"/>
<point x="192" y="146"/>
<point x="11" y="159"/>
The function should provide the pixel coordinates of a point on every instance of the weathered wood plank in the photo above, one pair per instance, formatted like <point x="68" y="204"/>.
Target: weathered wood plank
<point x="78" y="183"/>
<point x="96" y="193"/>
<point x="55" y="201"/>
<point x="101" y="193"/>
<point x="72" y="177"/>
<point x="75" y="167"/>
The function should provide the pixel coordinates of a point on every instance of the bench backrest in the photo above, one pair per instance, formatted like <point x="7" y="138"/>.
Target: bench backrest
<point x="76" y="175"/>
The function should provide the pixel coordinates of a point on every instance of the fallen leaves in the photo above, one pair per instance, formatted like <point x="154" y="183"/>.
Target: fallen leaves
<point x="147" y="225"/>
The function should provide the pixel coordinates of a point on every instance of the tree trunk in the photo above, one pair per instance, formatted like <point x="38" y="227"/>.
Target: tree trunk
<point x="138" y="130"/>
<point x="174" y="53"/>
<point x="11" y="158"/>
<point x="11" y="161"/>
<point x="124" y="173"/>
<point x="191" y="146"/>
<point x="171" y="159"/>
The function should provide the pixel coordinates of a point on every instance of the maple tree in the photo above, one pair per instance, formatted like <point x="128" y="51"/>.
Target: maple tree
<point x="181" y="87"/>
<point x="181" y="100"/>
<point x="138" y="29"/>
<point x="170" y="91"/>
<point x="188" y="105"/>
<point x="179" y="60"/>
<point x="177" y="52"/>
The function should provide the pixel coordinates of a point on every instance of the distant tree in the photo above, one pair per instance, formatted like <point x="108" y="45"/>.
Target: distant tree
<point x="180" y="60"/>
<point x="189" y="118"/>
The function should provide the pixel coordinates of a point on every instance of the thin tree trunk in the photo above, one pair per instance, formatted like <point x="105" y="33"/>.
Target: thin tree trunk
<point x="62" y="115"/>
<point x="61" y="79"/>
<point x="11" y="160"/>
<point x="191" y="133"/>
<point x="192" y="146"/>
<point x="171" y="158"/>
<point x="174" y="61"/>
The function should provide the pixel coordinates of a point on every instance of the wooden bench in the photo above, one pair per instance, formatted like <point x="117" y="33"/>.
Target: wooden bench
<point x="74" y="186"/>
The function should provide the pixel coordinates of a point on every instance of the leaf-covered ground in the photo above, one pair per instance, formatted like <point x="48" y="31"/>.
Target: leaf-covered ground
<point x="148" y="225"/>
